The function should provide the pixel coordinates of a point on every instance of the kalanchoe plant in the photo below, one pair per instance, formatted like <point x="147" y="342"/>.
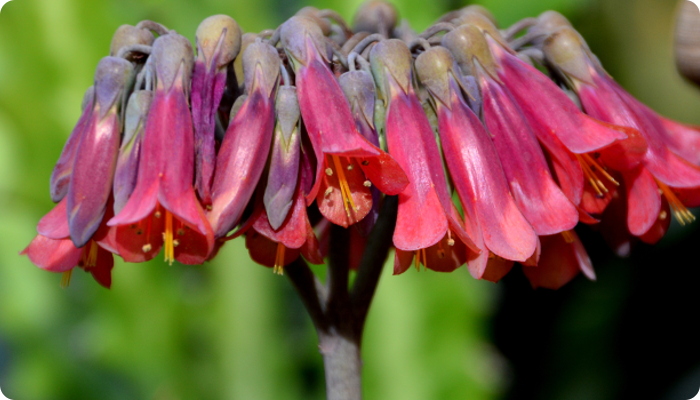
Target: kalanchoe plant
<point x="323" y="143"/>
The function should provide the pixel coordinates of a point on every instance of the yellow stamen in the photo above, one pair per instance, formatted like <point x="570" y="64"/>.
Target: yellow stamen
<point x="65" y="278"/>
<point x="416" y="260"/>
<point x="168" y="238"/>
<point x="89" y="256"/>
<point x="344" y="189"/>
<point x="568" y="236"/>
<point x="425" y="258"/>
<point x="279" y="260"/>
<point x="681" y="212"/>
<point x="594" y="172"/>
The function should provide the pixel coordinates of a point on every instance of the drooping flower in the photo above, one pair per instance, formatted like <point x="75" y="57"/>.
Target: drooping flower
<point x="96" y="151"/>
<point x="163" y="209"/>
<point x="660" y="170"/>
<point x="53" y="250"/>
<point x="563" y="257"/>
<point x="539" y="198"/>
<point x="428" y="225"/>
<point x="246" y="146"/>
<point x="347" y="163"/>
<point x="218" y="43"/>
<point x="492" y="218"/>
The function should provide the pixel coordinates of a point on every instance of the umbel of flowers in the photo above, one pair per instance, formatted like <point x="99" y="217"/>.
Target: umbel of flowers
<point x="280" y="135"/>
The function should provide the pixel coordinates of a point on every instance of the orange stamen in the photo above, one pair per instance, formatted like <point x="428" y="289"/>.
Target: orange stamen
<point x="568" y="236"/>
<point x="681" y="212"/>
<point x="65" y="278"/>
<point x="348" y="202"/>
<point x="594" y="172"/>
<point x="279" y="260"/>
<point x="168" y="238"/>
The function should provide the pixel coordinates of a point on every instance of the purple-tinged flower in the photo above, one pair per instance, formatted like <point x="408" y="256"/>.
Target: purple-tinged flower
<point x="96" y="153"/>
<point x="246" y="145"/>
<point x="284" y="158"/>
<point x="428" y="225"/>
<point x="163" y="208"/>
<point x="492" y="218"/>
<point x="346" y="161"/>
<point x="218" y="43"/>
<point x="127" y="167"/>
<point x="60" y="177"/>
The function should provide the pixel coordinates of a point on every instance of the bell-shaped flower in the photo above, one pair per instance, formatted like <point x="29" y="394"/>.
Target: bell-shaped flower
<point x="660" y="170"/>
<point x="428" y="225"/>
<point x="218" y="43"/>
<point x="96" y="153"/>
<point x="53" y="250"/>
<point x="563" y="257"/>
<point x="246" y="145"/>
<point x="163" y="209"/>
<point x="347" y="163"/>
<point x="539" y="198"/>
<point x="492" y="218"/>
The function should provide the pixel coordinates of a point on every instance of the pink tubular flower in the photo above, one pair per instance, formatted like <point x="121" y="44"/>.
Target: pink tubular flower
<point x="659" y="169"/>
<point x="563" y="257"/>
<point x="53" y="250"/>
<point x="96" y="150"/>
<point x="163" y="208"/>
<point x="347" y="163"/>
<point x="491" y="216"/>
<point x="246" y="146"/>
<point x="426" y="217"/>
<point x="539" y="198"/>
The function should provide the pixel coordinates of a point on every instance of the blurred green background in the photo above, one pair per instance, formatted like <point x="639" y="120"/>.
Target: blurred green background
<point x="233" y="330"/>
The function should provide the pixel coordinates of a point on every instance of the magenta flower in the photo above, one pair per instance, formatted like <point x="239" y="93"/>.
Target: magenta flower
<point x="428" y="225"/>
<point x="347" y="163"/>
<point x="539" y="198"/>
<point x="246" y="146"/>
<point x="163" y="209"/>
<point x="492" y="217"/>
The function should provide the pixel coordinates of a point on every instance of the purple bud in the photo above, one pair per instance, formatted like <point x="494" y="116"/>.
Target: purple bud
<point x="295" y="35"/>
<point x="467" y="43"/>
<point x="261" y="68"/>
<point x="284" y="159"/>
<point x="358" y="87"/>
<point x="172" y="55"/>
<point x="128" y="159"/>
<point x="113" y="77"/>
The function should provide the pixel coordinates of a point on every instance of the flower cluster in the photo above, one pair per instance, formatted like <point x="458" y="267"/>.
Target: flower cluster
<point x="277" y="135"/>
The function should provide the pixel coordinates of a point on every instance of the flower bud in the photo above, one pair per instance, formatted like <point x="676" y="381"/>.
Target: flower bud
<point x="566" y="50"/>
<point x="218" y="36"/>
<point x="433" y="68"/>
<point x="467" y="43"/>
<point x="127" y="35"/>
<point x="113" y="77"/>
<point x="358" y="87"/>
<point x="295" y="33"/>
<point x="261" y="67"/>
<point x="392" y="58"/>
<point x="171" y="53"/>
<point x="312" y="14"/>
<point x="376" y="16"/>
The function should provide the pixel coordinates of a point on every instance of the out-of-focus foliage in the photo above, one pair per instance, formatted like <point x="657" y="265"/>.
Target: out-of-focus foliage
<point x="231" y="329"/>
